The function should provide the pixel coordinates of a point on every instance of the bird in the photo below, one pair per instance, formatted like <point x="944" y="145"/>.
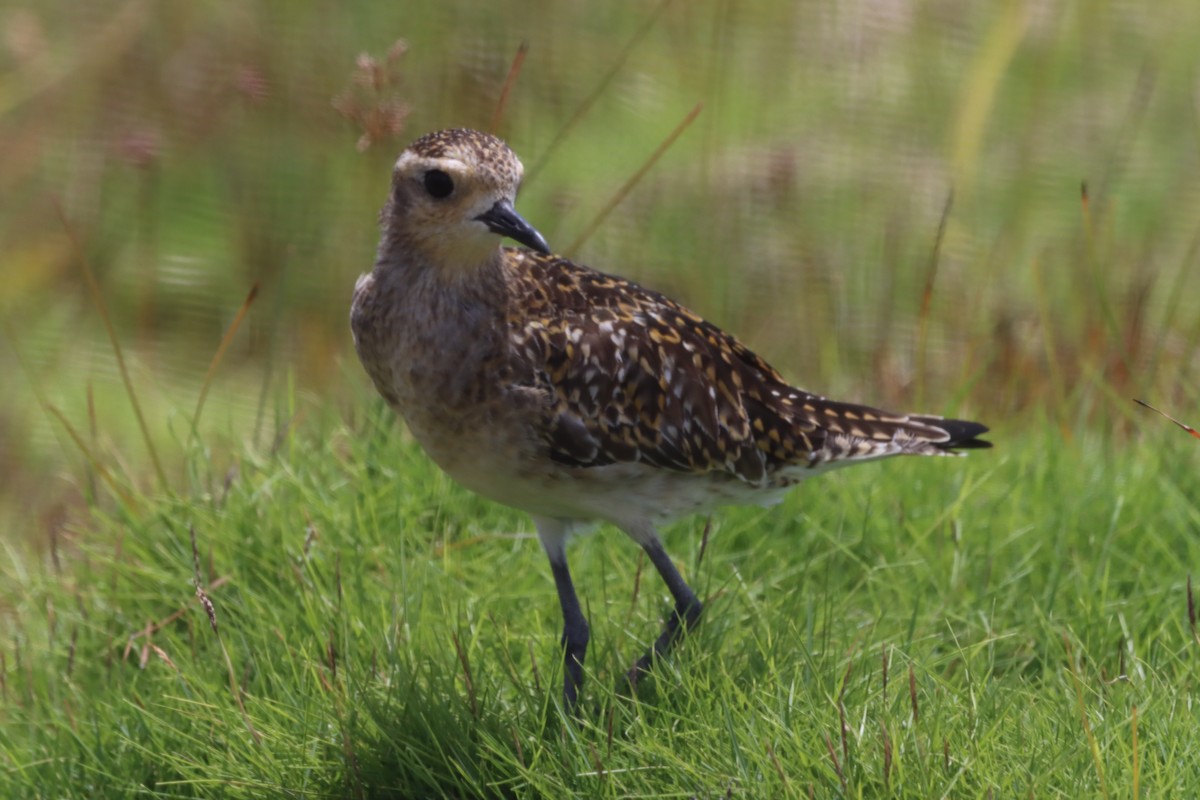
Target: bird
<point x="577" y="396"/>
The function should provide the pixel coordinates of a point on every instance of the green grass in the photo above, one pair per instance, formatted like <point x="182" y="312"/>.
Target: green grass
<point x="392" y="635"/>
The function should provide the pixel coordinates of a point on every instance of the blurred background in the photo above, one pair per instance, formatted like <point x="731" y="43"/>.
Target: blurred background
<point x="185" y="153"/>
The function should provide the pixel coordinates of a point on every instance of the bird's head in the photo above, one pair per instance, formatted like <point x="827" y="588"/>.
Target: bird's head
<point x="452" y="199"/>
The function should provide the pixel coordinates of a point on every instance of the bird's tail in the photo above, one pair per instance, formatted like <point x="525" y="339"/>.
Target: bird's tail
<point x="960" y="434"/>
<point x="854" y="431"/>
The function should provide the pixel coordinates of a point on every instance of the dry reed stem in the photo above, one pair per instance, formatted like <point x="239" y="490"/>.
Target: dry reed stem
<point x="154" y="628"/>
<point x="513" y="72"/>
<point x="912" y="693"/>
<point x="837" y="767"/>
<point x="887" y="755"/>
<point x="1083" y="718"/>
<point x="89" y="277"/>
<point x="778" y="768"/>
<point x="627" y="187"/>
<point x="116" y="488"/>
<point x="704" y="542"/>
<point x="1187" y="428"/>
<point x="211" y="612"/>
<point x="1136" y="764"/>
<point x="591" y="99"/>
<point x="230" y="332"/>
<point x="927" y="298"/>
<point x="466" y="667"/>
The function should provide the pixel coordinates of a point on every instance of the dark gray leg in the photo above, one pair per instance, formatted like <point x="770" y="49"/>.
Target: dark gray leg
<point x="687" y="606"/>
<point x="553" y="535"/>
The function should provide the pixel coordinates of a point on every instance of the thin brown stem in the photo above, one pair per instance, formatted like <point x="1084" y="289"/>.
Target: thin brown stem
<point x="591" y="99"/>
<point x="513" y="71"/>
<point x="89" y="277"/>
<point x="220" y="354"/>
<point x="627" y="187"/>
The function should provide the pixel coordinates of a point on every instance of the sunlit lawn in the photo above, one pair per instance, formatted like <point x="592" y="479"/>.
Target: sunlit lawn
<point x="982" y="625"/>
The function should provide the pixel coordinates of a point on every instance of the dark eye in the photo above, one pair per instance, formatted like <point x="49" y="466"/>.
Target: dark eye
<point x="438" y="183"/>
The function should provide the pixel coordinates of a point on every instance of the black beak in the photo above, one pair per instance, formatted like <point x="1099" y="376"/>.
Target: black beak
<point x="504" y="220"/>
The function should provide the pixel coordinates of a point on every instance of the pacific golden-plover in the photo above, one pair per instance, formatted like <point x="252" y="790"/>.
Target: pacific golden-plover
<point x="578" y="396"/>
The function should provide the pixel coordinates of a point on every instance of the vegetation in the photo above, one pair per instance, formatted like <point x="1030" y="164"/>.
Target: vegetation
<point x="261" y="587"/>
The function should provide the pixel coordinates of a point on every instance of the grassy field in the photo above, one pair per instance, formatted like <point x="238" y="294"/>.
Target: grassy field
<point x="987" y="210"/>
<point x="1013" y="623"/>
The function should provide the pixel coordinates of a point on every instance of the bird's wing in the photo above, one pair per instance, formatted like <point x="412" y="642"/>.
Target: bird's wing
<point x="630" y="375"/>
<point x="633" y="376"/>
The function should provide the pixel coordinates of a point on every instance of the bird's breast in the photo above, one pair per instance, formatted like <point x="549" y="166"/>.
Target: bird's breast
<point x="441" y="359"/>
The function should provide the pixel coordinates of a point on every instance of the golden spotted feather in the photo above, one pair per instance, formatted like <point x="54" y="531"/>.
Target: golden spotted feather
<point x="634" y="376"/>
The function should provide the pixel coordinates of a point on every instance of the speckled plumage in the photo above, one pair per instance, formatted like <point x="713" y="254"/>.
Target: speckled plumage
<point x="636" y="377"/>
<point x="576" y="395"/>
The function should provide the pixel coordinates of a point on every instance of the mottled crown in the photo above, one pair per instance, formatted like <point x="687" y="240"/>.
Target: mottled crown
<point x="479" y="150"/>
